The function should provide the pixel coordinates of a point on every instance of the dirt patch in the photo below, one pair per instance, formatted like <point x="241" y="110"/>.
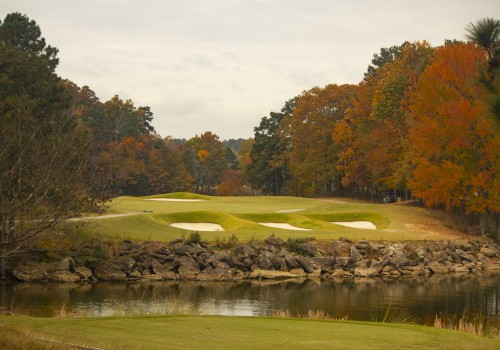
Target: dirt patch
<point x="174" y="200"/>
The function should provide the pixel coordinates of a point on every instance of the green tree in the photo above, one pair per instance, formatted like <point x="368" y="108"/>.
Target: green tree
<point x="43" y="150"/>
<point x="205" y="158"/>
<point x="486" y="33"/>
<point x="263" y="172"/>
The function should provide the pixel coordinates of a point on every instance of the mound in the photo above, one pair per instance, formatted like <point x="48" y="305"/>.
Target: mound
<point x="283" y="226"/>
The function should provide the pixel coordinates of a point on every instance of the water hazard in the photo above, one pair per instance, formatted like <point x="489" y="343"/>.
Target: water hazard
<point x="356" y="299"/>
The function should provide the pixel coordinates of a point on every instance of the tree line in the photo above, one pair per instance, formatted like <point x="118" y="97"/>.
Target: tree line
<point x="423" y="123"/>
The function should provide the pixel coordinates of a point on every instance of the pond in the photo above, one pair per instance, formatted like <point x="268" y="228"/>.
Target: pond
<point x="358" y="299"/>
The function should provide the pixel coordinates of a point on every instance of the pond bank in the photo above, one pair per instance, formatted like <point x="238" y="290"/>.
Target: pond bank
<point x="273" y="258"/>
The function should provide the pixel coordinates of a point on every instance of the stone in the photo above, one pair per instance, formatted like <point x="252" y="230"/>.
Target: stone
<point x="218" y="274"/>
<point x="83" y="272"/>
<point x="326" y="264"/>
<point x="365" y="272"/>
<point x="157" y="267"/>
<point x="461" y="269"/>
<point x="107" y="272"/>
<point x="275" y="241"/>
<point x="418" y="270"/>
<point x="343" y="261"/>
<point x="63" y="265"/>
<point x="125" y="263"/>
<point x="292" y="262"/>
<point x="64" y="277"/>
<point x="188" y="268"/>
<point x="30" y="273"/>
<point x="315" y="274"/>
<point x="299" y="272"/>
<point x="269" y="274"/>
<point x="309" y="250"/>
<point x="436" y="267"/>
<point x="306" y="263"/>
<point x="134" y="274"/>
<point x="355" y="254"/>
<point x="337" y="273"/>
<point x="183" y="249"/>
<point x="152" y="277"/>
<point x="488" y="252"/>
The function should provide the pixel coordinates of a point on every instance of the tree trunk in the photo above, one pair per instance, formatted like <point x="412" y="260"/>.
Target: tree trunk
<point x="483" y="222"/>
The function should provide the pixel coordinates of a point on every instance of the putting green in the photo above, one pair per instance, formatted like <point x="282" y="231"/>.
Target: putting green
<point x="150" y="218"/>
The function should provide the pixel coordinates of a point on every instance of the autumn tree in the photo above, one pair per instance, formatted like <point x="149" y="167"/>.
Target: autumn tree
<point x="313" y="154"/>
<point x="206" y="159"/>
<point x="165" y="170"/>
<point x="456" y="151"/>
<point x="43" y="151"/>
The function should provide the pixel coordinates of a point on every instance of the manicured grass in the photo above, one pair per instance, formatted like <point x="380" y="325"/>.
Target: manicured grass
<point x="218" y="332"/>
<point x="239" y="216"/>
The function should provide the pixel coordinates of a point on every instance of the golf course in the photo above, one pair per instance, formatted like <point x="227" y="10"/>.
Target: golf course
<point x="155" y="218"/>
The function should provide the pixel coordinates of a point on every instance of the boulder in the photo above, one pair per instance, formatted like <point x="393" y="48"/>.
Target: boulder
<point x="365" y="272"/>
<point x="315" y="274"/>
<point x="62" y="265"/>
<point x="107" y="272"/>
<point x="488" y="252"/>
<point x="152" y="277"/>
<point x="309" y="250"/>
<point x="292" y="262"/>
<point x="437" y="267"/>
<point x="461" y="269"/>
<point x="355" y="254"/>
<point x="30" y="273"/>
<point x="306" y="263"/>
<point x="269" y="274"/>
<point x="299" y="272"/>
<point x="124" y="263"/>
<point x="183" y="249"/>
<point x="157" y="267"/>
<point x="188" y="268"/>
<point x="83" y="272"/>
<point x="64" y="277"/>
<point x="217" y="274"/>
<point x="275" y="241"/>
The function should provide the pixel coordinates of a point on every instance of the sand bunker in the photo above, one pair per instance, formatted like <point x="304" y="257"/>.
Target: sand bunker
<point x="289" y="210"/>
<point x="367" y="225"/>
<point x="174" y="200"/>
<point x="197" y="226"/>
<point x="283" y="226"/>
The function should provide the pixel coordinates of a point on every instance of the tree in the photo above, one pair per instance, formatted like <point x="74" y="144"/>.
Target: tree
<point x="205" y="158"/>
<point x="457" y="152"/>
<point x="165" y="170"/>
<point x="486" y="33"/>
<point x="313" y="155"/>
<point x="43" y="150"/>
<point x="262" y="172"/>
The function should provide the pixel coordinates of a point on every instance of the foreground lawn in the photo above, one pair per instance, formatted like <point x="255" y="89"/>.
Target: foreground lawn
<point x="216" y="332"/>
<point x="240" y="216"/>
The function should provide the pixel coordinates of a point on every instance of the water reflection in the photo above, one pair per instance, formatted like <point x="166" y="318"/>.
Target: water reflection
<point x="423" y="298"/>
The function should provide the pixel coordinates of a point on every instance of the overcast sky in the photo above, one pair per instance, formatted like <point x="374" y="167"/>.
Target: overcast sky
<point x="222" y="65"/>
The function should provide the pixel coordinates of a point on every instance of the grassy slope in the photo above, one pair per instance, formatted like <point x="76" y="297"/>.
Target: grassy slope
<point x="240" y="216"/>
<point x="210" y="332"/>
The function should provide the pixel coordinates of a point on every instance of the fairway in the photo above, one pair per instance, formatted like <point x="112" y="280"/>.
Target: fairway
<point x="216" y="332"/>
<point x="151" y="218"/>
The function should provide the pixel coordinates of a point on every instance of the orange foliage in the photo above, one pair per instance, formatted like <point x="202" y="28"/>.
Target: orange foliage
<point x="457" y="151"/>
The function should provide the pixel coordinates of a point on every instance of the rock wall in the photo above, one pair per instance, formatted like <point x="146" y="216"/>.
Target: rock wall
<point x="272" y="258"/>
